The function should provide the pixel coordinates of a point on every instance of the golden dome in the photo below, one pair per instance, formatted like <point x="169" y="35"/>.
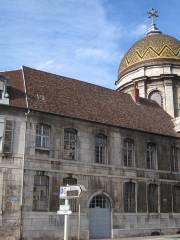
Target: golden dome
<point x="151" y="50"/>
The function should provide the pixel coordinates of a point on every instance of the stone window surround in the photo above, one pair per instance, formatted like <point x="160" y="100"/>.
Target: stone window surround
<point x="70" y="143"/>
<point x="151" y="153"/>
<point x="45" y="187"/>
<point x="42" y="136"/>
<point x="101" y="148"/>
<point x="128" y="151"/>
<point x="125" y="183"/>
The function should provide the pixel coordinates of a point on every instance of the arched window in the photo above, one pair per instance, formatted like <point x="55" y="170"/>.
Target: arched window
<point x="156" y="96"/>
<point x="40" y="192"/>
<point x="100" y="201"/>
<point x="69" y="181"/>
<point x="129" y="197"/>
<point x="70" y="144"/>
<point x="128" y="152"/>
<point x="101" y="149"/>
<point x="151" y="156"/>
<point x="153" y="198"/>
<point x="72" y="202"/>
<point x="42" y="136"/>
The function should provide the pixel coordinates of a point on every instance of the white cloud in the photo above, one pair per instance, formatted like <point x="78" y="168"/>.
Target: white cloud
<point x="69" y="37"/>
<point x="139" y="30"/>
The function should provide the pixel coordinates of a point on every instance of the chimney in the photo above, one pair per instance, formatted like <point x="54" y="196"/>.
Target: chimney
<point x="135" y="93"/>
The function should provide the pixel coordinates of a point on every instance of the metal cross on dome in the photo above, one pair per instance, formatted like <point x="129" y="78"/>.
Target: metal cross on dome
<point x="153" y="14"/>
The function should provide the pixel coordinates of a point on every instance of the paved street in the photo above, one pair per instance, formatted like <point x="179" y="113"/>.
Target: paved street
<point x="165" y="237"/>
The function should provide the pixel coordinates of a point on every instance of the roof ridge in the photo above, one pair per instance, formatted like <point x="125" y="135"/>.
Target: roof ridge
<point x="70" y="78"/>
<point x="19" y="69"/>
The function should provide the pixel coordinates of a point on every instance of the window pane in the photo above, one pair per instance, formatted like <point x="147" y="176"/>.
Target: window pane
<point x="8" y="137"/>
<point x="176" y="199"/>
<point x="42" y="136"/>
<point x="70" y="144"/>
<point x="129" y="197"/>
<point x="72" y="202"/>
<point x="128" y="152"/>
<point x="100" y="148"/>
<point x="151" y="156"/>
<point x="174" y="158"/>
<point x="153" y="198"/>
<point x="41" y="192"/>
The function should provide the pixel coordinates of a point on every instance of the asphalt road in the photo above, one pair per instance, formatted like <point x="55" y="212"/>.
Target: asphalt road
<point x="165" y="237"/>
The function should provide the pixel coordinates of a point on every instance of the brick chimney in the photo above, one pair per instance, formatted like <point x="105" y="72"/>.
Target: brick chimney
<point x="135" y="93"/>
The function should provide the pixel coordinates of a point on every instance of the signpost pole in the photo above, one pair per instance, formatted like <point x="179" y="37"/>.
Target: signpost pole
<point x="66" y="222"/>
<point x="79" y="219"/>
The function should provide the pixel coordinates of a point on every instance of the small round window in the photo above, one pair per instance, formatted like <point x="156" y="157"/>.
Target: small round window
<point x="156" y="96"/>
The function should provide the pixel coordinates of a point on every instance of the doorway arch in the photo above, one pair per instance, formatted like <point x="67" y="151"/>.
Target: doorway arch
<point x="100" y="216"/>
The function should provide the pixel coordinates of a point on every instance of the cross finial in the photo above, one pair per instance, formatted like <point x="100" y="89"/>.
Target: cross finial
<point x="153" y="14"/>
<point x="153" y="28"/>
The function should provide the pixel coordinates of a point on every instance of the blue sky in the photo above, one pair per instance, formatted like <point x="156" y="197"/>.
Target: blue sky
<point x="83" y="39"/>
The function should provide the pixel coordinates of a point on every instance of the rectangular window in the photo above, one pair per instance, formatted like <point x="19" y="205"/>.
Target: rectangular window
<point x="176" y="199"/>
<point x="128" y="152"/>
<point x="153" y="198"/>
<point x="70" y="144"/>
<point x="100" y="148"/>
<point x="72" y="202"/>
<point x="42" y="136"/>
<point x="1" y="92"/>
<point x="151" y="156"/>
<point x="8" y="137"/>
<point x="129" y="197"/>
<point x="41" y="192"/>
<point x="174" y="158"/>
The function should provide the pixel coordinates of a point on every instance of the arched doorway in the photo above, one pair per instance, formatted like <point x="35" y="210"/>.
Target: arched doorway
<point x="100" y="217"/>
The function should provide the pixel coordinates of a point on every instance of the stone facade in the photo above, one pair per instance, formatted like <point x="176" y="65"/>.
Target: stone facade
<point x="125" y="151"/>
<point x="107" y="179"/>
<point x="11" y="175"/>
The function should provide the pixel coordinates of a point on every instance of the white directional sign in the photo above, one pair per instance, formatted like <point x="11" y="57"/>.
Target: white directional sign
<point x="64" y="207"/>
<point x="72" y="191"/>
<point x="64" y="212"/>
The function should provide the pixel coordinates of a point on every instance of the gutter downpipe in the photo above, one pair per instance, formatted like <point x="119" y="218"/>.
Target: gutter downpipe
<point x="23" y="159"/>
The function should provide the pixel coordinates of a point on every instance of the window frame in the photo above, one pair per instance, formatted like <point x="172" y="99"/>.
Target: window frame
<point x="152" y="155"/>
<point x="72" y="202"/>
<point x="1" y="94"/>
<point x="128" y="150"/>
<point x="150" y="200"/>
<point x="174" y="158"/>
<point x="69" y="142"/>
<point x="5" y="141"/>
<point x="101" y="149"/>
<point x="40" y="188"/>
<point x="175" y="187"/>
<point x="130" y="197"/>
<point x="44" y="138"/>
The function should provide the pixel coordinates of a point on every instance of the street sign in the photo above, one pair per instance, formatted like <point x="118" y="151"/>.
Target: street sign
<point x="72" y="191"/>
<point x="64" y="212"/>
<point x="64" y="207"/>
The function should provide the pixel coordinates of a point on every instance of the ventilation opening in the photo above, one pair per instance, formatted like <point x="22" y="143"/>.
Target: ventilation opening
<point x="178" y="232"/>
<point x="155" y="234"/>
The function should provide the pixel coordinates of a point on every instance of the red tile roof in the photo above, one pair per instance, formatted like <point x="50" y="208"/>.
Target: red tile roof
<point x="64" y="96"/>
<point x="16" y="87"/>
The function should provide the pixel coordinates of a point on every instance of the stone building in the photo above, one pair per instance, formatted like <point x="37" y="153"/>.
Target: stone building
<point x="124" y="148"/>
